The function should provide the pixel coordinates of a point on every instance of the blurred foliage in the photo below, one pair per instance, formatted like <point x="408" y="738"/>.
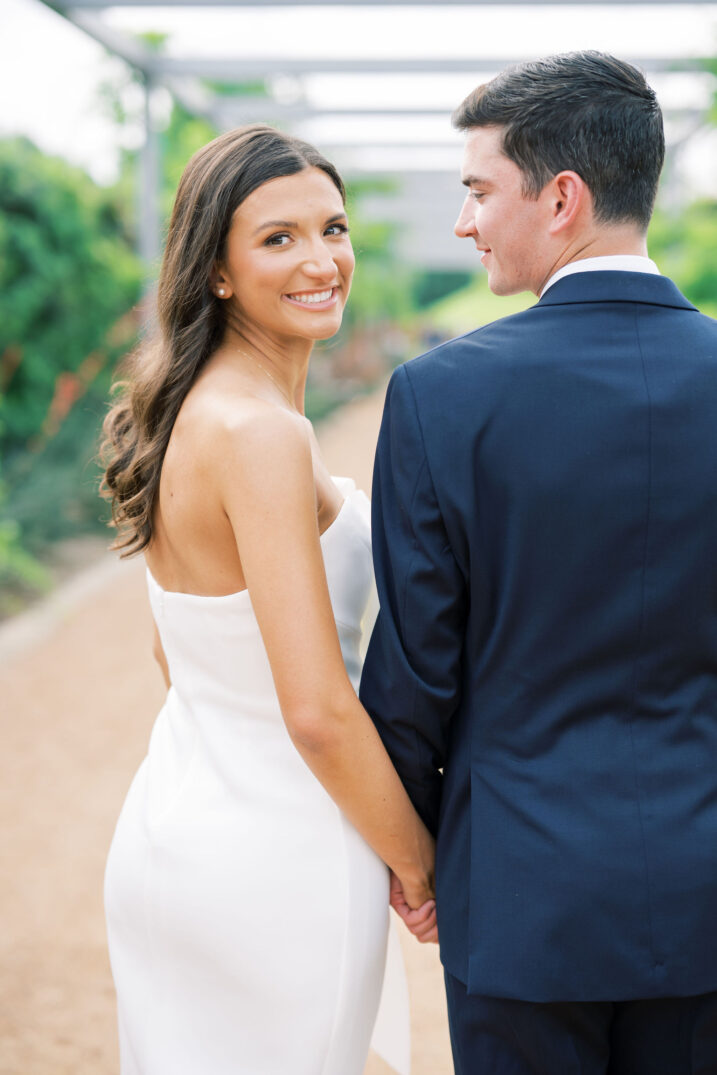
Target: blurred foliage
<point x="255" y="87"/>
<point x="711" y="66"/>
<point x="20" y="573"/>
<point x="475" y="305"/>
<point x="684" y="243"/>
<point x="67" y="277"/>
<point x="179" y="137"/>
<point x="53" y="489"/>
<point x="432" y="285"/>
<point x="183" y="136"/>
<point x="382" y="285"/>
<point x="685" y="247"/>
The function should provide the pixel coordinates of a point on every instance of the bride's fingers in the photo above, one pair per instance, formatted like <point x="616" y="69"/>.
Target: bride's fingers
<point x="429" y="938"/>
<point x="395" y="885"/>
<point x="397" y="898"/>
<point x="421" y="922"/>
<point x="421" y="914"/>
<point x="398" y="902"/>
<point x="421" y="929"/>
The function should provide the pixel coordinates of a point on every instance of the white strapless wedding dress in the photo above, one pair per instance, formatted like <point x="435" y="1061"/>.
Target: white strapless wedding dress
<point x="247" y="919"/>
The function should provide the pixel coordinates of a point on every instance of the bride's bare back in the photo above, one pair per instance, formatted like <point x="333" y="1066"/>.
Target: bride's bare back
<point x="194" y="548"/>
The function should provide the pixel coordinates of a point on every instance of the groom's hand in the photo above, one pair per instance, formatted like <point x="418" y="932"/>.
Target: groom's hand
<point x="422" y="921"/>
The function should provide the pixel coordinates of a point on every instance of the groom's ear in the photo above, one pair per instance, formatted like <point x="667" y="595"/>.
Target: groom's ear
<point x="569" y="198"/>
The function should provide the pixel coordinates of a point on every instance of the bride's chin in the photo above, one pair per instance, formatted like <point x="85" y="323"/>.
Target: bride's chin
<point x="328" y="335"/>
<point x="323" y="332"/>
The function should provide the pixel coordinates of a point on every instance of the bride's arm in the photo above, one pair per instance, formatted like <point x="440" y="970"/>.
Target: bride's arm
<point x="267" y="487"/>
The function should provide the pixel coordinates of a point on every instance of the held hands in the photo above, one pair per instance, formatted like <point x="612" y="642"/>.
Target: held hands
<point x="422" y="921"/>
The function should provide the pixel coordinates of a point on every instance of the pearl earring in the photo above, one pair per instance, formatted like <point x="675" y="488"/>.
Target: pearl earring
<point x="221" y="292"/>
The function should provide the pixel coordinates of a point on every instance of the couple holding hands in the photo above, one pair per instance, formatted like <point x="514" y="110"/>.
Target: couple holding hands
<point x="528" y="771"/>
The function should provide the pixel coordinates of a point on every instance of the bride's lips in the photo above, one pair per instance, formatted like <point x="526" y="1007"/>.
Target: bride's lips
<point x="313" y="300"/>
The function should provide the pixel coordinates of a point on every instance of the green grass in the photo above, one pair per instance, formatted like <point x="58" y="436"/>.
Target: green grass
<point x="473" y="306"/>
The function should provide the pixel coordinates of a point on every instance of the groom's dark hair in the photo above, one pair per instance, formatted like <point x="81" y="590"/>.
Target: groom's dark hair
<point x="585" y="112"/>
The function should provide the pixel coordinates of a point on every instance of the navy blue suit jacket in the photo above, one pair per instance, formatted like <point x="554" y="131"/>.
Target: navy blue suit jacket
<point x="543" y="670"/>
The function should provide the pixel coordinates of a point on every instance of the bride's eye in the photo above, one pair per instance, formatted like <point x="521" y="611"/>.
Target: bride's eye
<point x="337" y="229"/>
<point x="280" y="239"/>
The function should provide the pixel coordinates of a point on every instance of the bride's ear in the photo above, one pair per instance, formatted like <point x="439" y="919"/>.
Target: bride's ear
<point x="219" y="283"/>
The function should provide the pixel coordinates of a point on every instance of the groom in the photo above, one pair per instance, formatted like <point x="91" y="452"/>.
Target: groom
<point x="543" y="670"/>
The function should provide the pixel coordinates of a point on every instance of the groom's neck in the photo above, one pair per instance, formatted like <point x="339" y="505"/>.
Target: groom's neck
<point x="599" y="242"/>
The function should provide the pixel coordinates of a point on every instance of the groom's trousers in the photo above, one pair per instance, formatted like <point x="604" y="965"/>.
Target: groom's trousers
<point x="670" y="1036"/>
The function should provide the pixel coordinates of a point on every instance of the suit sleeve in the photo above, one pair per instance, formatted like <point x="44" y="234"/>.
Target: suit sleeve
<point x="412" y="675"/>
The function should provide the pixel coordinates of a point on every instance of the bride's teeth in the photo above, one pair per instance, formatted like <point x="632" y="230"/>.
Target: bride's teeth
<point x="322" y="296"/>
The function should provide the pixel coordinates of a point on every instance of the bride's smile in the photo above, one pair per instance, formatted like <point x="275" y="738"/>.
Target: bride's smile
<point x="314" y="300"/>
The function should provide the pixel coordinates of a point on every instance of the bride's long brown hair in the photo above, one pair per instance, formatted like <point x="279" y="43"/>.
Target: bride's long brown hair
<point x="216" y="181"/>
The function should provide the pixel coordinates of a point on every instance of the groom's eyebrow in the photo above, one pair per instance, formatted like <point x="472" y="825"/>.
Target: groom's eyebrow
<point x="474" y="181"/>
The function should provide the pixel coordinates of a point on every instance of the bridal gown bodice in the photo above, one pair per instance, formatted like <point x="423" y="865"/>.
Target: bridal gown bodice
<point x="247" y="919"/>
<point x="222" y="706"/>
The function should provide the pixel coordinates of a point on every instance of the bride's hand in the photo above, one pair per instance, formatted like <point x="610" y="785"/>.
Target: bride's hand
<point x="422" y="921"/>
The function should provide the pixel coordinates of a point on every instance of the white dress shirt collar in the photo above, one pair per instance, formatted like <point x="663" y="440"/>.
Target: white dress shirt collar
<point x="606" y="263"/>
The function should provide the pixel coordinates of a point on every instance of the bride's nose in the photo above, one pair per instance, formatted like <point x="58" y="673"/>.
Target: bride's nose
<point x="320" y="268"/>
<point x="320" y="265"/>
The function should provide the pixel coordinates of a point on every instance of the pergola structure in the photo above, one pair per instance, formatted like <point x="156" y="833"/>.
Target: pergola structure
<point x="433" y="186"/>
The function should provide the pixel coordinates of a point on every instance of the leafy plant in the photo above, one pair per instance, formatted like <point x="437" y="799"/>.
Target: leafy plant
<point x="684" y="247"/>
<point x="67" y="279"/>
<point x="66" y="276"/>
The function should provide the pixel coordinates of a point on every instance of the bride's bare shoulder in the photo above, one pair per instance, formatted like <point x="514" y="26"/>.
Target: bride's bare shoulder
<point x="260" y="428"/>
<point x="220" y="416"/>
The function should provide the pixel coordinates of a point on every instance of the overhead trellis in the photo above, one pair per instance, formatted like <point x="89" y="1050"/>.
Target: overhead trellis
<point x="195" y="80"/>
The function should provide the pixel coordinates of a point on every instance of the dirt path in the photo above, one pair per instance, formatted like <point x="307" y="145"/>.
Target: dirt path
<point x="78" y="694"/>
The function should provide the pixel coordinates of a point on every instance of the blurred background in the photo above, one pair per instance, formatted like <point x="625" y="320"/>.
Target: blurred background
<point x="100" y="108"/>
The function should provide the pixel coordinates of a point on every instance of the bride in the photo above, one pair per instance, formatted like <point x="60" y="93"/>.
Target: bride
<point x="247" y="885"/>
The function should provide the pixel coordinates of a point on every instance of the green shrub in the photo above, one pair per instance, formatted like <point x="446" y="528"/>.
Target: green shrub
<point x="67" y="279"/>
<point x="684" y="247"/>
<point x="66" y="276"/>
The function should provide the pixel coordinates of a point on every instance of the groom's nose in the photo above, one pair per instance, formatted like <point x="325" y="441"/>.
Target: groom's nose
<point x="466" y="224"/>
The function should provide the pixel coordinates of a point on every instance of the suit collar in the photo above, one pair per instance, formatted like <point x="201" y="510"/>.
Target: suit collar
<point x="614" y="286"/>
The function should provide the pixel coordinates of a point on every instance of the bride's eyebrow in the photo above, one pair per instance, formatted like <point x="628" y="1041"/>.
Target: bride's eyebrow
<point x="292" y="223"/>
<point x="275" y="224"/>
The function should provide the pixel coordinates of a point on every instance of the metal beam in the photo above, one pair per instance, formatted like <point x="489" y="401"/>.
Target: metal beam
<point x="99" y="4"/>
<point x="356" y="157"/>
<point x="336" y="143"/>
<point x="84" y="15"/>
<point x="149" y="235"/>
<point x="223" y="112"/>
<point x="243" y="111"/>
<point x="239" y="68"/>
